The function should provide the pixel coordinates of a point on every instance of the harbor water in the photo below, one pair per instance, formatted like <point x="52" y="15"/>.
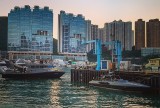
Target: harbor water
<point x="60" y="93"/>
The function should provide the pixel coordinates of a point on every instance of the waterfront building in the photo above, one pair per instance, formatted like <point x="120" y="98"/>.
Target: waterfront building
<point x="150" y="51"/>
<point x="119" y="30"/>
<point x="139" y="34"/>
<point x="30" y="31"/>
<point x="153" y="33"/>
<point x="72" y="32"/>
<point x="3" y="33"/>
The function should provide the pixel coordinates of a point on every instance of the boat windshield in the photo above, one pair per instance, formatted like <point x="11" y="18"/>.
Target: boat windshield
<point x="2" y="64"/>
<point x="111" y="77"/>
<point x="38" y="66"/>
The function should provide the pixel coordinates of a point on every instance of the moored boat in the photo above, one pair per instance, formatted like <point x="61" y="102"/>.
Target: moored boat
<point x="113" y="82"/>
<point x="33" y="70"/>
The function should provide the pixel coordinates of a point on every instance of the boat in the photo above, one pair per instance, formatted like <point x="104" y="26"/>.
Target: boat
<point x="33" y="70"/>
<point x="114" y="82"/>
<point x="5" y="67"/>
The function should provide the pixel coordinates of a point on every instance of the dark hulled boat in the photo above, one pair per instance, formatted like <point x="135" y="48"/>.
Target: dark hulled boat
<point x="113" y="82"/>
<point x="52" y="74"/>
<point x="32" y="70"/>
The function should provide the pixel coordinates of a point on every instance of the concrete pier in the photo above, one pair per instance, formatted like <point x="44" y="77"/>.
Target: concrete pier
<point x="149" y="78"/>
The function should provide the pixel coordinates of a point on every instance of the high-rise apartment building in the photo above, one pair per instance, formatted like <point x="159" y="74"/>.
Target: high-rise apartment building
<point x="109" y="31"/>
<point x="30" y="30"/>
<point x="3" y="33"/>
<point x="101" y="34"/>
<point x="94" y="34"/>
<point x="139" y="34"/>
<point x="119" y="30"/>
<point x="128" y="36"/>
<point x="153" y="33"/>
<point x="72" y="32"/>
<point x="88" y="36"/>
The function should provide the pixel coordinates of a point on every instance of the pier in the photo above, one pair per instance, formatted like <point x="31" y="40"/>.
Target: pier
<point x="149" y="78"/>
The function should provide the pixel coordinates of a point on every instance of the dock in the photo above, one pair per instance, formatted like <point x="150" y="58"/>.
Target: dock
<point x="151" y="79"/>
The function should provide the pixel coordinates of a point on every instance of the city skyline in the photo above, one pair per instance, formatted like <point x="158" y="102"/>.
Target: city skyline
<point x="99" y="12"/>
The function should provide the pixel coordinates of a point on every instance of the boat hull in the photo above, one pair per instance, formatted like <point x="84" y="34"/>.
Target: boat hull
<point x="55" y="74"/>
<point x="123" y="88"/>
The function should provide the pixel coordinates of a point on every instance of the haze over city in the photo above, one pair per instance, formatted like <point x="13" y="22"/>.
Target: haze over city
<point x="98" y="11"/>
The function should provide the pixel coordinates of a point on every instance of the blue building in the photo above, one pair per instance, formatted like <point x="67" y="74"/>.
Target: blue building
<point x="72" y="32"/>
<point x="30" y="30"/>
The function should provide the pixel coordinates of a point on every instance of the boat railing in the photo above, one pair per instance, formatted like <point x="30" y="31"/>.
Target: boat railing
<point x="111" y="76"/>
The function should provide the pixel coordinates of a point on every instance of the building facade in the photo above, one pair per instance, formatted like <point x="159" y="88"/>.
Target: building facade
<point x="128" y="36"/>
<point x="72" y="33"/>
<point x="94" y="34"/>
<point x="150" y="51"/>
<point x="30" y="30"/>
<point x="3" y="33"/>
<point x="101" y="34"/>
<point x="88" y="36"/>
<point x="119" y="30"/>
<point x="153" y="33"/>
<point x="139" y="34"/>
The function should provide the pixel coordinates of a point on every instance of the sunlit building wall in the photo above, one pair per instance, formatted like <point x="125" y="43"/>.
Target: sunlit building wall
<point x="30" y="29"/>
<point x="72" y="32"/>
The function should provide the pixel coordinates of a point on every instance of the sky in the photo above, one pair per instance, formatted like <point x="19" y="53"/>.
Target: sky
<point x="98" y="11"/>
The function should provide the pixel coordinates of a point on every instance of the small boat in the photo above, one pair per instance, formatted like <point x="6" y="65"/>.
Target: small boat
<point x="33" y="70"/>
<point x="114" y="82"/>
<point x="4" y="66"/>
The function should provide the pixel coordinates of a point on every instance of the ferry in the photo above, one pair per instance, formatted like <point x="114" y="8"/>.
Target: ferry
<point x="33" y="70"/>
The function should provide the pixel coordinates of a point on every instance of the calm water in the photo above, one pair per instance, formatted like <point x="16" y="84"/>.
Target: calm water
<point x="58" y="93"/>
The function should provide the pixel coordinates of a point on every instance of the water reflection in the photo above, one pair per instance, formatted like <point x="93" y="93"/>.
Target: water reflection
<point x="54" y="93"/>
<point x="59" y="93"/>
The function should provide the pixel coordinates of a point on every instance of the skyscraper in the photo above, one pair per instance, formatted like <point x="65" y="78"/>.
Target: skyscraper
<point x="30" y="29"/>
<point x="72" y="32"/>
<point x="3" y="33"/>
<point x="153" y="33"/>
<point x="139" y="34"/>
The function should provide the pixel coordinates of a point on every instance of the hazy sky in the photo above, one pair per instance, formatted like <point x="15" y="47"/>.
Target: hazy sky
<point x="98" y="11"/>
